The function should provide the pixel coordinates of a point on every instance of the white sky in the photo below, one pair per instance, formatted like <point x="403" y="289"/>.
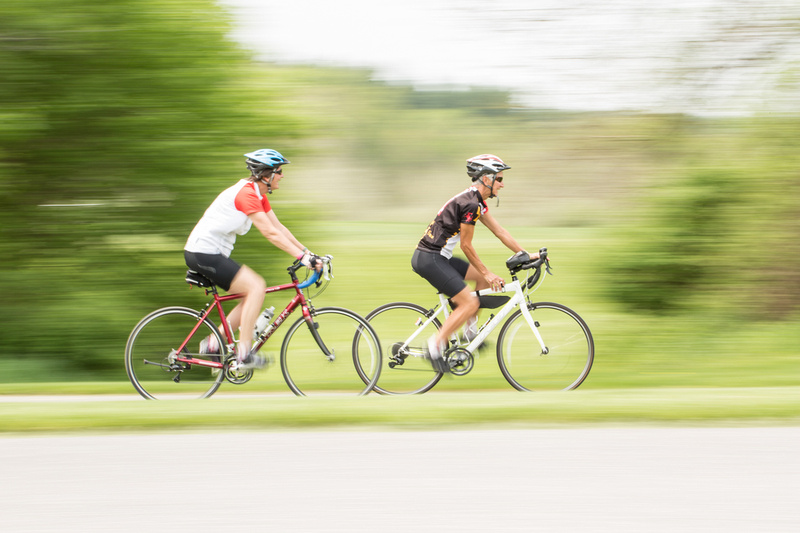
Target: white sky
<point x="573" y="54"/>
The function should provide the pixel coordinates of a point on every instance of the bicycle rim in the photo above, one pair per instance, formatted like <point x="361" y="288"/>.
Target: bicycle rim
<point x="570" y="349"/>
<point x="149" y="356"/>
<point x="404" y="370"/>
<point x="356" y="363"/>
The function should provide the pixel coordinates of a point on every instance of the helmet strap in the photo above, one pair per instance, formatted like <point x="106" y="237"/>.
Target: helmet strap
<point x="267" y="181"/>
<point x="490" y="187"/>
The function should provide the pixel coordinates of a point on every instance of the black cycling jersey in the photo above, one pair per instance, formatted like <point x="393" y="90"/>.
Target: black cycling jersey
<point x="445" y="231"/>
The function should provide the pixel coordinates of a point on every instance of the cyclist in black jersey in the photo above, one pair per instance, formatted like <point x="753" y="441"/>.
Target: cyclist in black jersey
<point x="455" y="224"/>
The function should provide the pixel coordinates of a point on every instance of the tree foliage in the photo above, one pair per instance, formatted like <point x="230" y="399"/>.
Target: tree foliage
<point x="720" y="232"/>
<point x="119" y="122"/>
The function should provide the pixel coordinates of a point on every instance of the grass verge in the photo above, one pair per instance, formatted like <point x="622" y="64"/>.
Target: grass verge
<point x="435" y="410"/>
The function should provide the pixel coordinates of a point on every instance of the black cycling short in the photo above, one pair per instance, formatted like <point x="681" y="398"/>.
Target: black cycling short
<point x="219" y="268"/>
<point x="446" y="275"/>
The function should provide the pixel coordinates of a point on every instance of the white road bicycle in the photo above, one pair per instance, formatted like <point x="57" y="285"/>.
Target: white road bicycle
<point x="542" y="346"/>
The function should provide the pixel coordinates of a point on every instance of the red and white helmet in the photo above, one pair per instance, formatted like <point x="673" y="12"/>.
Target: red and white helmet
<point x="483" y="164"/>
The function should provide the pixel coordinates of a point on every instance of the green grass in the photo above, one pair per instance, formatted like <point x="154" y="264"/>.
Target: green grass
<point x="689" y="369"/>
<point x="435" y="410"/>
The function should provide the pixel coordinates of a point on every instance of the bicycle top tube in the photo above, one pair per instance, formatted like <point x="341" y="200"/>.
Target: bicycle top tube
<point x="295" y="284"/>
<point x="514" y="286"/>
<point x="276" y="288"/>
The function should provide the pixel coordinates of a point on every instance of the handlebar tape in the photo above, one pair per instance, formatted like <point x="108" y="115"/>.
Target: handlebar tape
<point x="310" y="281"/>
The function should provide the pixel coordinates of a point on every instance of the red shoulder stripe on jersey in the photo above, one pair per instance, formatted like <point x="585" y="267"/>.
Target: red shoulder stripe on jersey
<point x="248" y="202"/>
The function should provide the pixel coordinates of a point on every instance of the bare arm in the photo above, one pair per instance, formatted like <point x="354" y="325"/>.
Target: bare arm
<point x="276" y="233"/>
<point x="283" y="229"/>
<point x="500" y="232"/>
<point x="467" y="232"/>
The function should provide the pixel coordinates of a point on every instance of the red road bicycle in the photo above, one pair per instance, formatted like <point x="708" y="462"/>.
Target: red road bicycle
<point x="337" y="350"/>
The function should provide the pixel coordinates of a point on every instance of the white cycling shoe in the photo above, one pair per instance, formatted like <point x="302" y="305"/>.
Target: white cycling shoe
<point x="253" y="361"/>
<point x="436" y="356"/>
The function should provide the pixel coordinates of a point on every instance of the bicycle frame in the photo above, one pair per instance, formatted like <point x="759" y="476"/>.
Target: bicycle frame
<point x="519" y="297"/>
<point x="299" y="300"/>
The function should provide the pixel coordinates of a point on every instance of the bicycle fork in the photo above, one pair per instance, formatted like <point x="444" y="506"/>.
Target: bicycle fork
<point x="313" y="327"/>
<point x="532" y="323"/>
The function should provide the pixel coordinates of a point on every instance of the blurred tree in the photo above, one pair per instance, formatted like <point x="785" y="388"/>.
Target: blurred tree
<point x="722" y="234"/>
<point x="119" y="122"/>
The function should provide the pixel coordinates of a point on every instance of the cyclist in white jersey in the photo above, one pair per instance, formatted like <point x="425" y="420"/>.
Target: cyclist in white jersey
<point x="210" y="244"/>
<point x="455" y="224"/>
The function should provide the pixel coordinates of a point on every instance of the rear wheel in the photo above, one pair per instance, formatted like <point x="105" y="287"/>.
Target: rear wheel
<point x="335" y="351"/>
<point x="569" y="352"/>
<point x="405" y="370"/>
<point x="152" y="349"/>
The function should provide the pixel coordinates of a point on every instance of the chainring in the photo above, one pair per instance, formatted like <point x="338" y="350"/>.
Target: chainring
<point x="233" y="374"/>
<point x="460" y="361"/>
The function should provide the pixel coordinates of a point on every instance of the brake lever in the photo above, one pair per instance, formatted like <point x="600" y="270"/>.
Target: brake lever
<point x="327" y="269"/>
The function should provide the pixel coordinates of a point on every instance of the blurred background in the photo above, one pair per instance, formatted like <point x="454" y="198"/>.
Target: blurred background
<point x="654" y="147"/>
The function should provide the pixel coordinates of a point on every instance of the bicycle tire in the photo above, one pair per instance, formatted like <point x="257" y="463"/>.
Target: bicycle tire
<point x="307" y="369"/>
<point x="148" y="350"/>
<point x="394" y="323"/>
<point x="570" y="349"/>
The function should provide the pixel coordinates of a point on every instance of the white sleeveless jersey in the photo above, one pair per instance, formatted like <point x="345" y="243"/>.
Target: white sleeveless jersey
<point x="226" y="218"/>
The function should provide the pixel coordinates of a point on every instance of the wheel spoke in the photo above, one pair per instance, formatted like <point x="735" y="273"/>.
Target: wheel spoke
<point x="356" y="362"/>
<point x="150" y="356"/>
<point x="395" y="323"/>
<point x="570" y="349"/>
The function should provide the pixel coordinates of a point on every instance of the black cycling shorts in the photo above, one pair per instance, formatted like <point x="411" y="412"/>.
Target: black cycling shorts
<point x="446" y="275"/>
<point x="219" y="268"/>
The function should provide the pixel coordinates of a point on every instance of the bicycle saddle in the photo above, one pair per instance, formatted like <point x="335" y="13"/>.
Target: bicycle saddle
<point x="196" y="278"/>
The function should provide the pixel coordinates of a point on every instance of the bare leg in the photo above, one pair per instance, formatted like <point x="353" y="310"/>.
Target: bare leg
<point x="235" y="317"/>
<point x="252" y="286"/>
<point x="474" y="275"/>
<point x="466" y="306"/>
<point x="480" y="284"/>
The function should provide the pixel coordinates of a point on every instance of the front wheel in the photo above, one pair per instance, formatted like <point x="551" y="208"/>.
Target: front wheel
<point x="335" y="351"/>
<point x="154" y="344"/>
<point x="562" y="365"/>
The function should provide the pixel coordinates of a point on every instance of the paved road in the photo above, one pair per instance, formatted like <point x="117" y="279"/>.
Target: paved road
<point x="599" y="479"/>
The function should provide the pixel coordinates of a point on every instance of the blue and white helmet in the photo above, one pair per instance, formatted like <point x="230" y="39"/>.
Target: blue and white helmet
<point x="264" y="159"/>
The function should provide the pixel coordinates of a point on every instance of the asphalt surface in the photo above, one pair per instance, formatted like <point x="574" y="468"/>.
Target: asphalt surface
<point x="597" y="479"/>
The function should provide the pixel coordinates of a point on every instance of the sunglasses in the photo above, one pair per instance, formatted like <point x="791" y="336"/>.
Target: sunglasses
<point x="499" y="179"/>
<point x="278" y="171"/>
